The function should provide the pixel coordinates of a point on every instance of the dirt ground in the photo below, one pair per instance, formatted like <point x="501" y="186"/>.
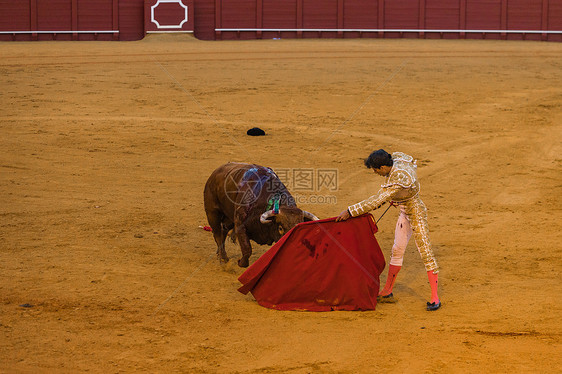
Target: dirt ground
<point x="106" y="147"/>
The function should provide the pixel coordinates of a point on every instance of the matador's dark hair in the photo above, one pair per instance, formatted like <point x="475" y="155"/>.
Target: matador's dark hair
<point x="378" y="158"/>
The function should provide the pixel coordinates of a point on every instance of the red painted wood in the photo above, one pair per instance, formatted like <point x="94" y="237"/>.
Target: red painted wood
<point x="524" y="15"/>
<point x="131" y="19"/>
<point x="462" y="19"/>
<point x="443" y="14"/>
<point x="238" y="14"/>
<point x="115" y="19"/>
<point x="360" y="14"/>
<point x="401" y="14"/>
<point x="320" y="14"/>
<point x="147" y="25"/>
<point x="33" y="18"/>
<point x="340" y="18"/>
<point x="218" y="18"/>
<point x="555" y="19"/>
<point x="380" y="23"/>
<point x="299" y="18"/>
<point x="33" y="14"/>
<point x="279" y="14"/>
<point x="54" y="15"/>
<point x="74" y="17"/>
<point x="259" y="17"/>
<point x="16" y="15"/>
<point x="204" y="19"/>
<point x="483" y="14"/>
<point x="128" y="16"/>
<point x="544" y="19"/>
<point x="503" y="19"/>
<point x="544" y="15"/>
<point x="421" y="17"/>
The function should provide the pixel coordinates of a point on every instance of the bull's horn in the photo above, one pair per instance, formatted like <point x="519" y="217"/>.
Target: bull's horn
<point x="310" y="216"/>
<point x="264" y="217"/>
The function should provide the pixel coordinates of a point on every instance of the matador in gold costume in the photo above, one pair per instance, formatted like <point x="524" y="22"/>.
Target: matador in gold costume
<point x="400" y="188"/>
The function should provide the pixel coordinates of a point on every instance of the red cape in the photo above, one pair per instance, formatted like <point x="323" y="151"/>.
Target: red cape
<point x="319" y="266"/>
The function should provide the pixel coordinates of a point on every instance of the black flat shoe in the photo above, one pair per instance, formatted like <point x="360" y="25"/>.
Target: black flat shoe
<point x="433" y="306"/>
<point x="386" y="298"/>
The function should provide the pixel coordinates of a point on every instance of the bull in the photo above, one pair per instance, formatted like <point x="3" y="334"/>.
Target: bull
<point x="253" y="204"/>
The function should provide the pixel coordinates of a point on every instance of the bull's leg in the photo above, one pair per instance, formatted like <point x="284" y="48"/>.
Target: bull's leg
<point x="245" y="246"/>
<point x="219" y="234"/>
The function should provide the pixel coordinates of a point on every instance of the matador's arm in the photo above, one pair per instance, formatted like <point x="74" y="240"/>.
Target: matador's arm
<point x="384" y="195"/>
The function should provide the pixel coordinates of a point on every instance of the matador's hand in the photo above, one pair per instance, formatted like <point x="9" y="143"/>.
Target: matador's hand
<point x="343" y="216"/>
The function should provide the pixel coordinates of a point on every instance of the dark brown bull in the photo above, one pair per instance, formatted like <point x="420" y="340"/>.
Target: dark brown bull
<point x="252" y="201"/>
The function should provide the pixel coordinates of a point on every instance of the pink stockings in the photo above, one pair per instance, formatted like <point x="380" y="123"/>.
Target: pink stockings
<point x="402" y="236"/>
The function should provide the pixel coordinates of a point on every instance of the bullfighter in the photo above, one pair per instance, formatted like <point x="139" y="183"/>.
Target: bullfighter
<point x="401" y="188"/>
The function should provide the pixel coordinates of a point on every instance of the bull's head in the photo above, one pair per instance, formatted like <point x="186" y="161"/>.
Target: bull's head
<point x="285" y="218"/>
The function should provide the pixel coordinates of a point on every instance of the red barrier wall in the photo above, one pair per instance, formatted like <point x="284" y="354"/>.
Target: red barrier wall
<point x="131" y="19"/>
<point x="231" y="19"/>
<point x="71" y="19"/>
<point x="65" y="20"/>
<point x="204" y="19"/>
<point x="378" y="18"/>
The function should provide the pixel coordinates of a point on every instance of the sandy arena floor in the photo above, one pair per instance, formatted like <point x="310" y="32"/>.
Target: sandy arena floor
<point x="106" y="147"/>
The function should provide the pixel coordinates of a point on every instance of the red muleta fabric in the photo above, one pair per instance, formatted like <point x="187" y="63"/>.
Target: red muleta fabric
<point x="319" y="266"/>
